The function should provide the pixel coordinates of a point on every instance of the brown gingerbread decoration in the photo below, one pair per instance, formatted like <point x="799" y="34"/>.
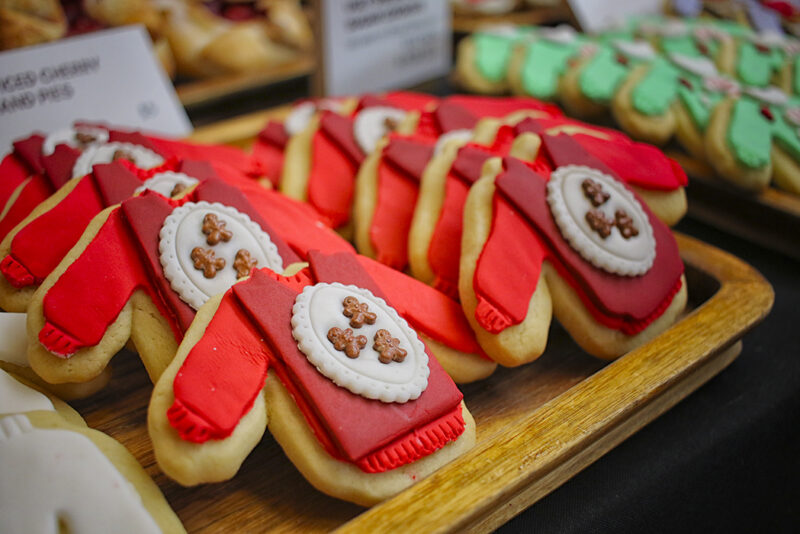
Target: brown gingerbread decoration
<point x="346" y="341"/>
<point x="205" y="260"/>
<point x="243" y="263"/>
<point x="358" y="312"/>
<point x="215" y="230"/>
<point x="388" y="347"/>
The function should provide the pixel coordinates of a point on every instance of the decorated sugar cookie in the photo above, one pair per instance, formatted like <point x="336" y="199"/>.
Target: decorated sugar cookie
<point x="387" y="182"/>
<point x="56" y="471"/>
<point x="268" y="150"/>
<point x="483" y="58"/>
<point x="142" y="268"/>
<point x="33" y="249"/>
<point x="321" y="162"/>
<point x="331" y="364"/>
<point x="580" y="245"/>
<point x="40" y="165"/>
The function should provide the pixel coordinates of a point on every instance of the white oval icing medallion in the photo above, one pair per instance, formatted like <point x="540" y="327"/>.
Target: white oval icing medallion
<point x="167" y="183"/>
<point x="359" y="342"/>
<point x="602" y="220"/>
<point x="77" y="137"/>
<point x="142" y="157"/>
<point x="463" y="134"/>
<point x="301" y="114"/>
<point x="205" y="248"/>
<point x="371" y="124"/>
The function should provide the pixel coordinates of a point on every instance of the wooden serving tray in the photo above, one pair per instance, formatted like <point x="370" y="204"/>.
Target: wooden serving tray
<point x="538" y="425"/>
<point x="770" y="218"/>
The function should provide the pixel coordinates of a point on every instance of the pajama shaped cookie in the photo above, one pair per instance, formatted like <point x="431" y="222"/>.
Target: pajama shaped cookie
<point x="579" y="245"/>
<point x="436" y="231"/>
<point x="35" y="246"/>
<point x="329" y="362"/>
<point x="387" y="182"/>
<point x="268" y="150"/>
<point x="321" y="162"/>
<point x="143" y="267"/>
<point x="483" y="58"/>
<point x="40" y="165"/>
<point x="14" y="360"/>
<point x="58" y="473"/>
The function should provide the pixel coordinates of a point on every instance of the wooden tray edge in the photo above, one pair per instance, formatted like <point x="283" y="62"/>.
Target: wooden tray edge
<point x="502" y="476"/>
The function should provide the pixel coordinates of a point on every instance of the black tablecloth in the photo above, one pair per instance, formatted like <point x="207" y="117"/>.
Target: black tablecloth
<point x="725" y="459"/>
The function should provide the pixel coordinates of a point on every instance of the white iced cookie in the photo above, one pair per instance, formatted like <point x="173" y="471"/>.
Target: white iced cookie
<point x="167" y="183"/>
<point x="205" y="248"/>
<point x="700" y="66"/>
<point x="55" y="477"/>
<point x="77" y="137"/>
<point x="371" y="124"/>
<point x="637" y="49"/>
<point x="13" y="338"/>
<point x="16" y="397"/>
<point x="463" y="134"/>
<point x="602" y="220"/>
<point x="359" y="342"/>
<point x="142" y="157"/>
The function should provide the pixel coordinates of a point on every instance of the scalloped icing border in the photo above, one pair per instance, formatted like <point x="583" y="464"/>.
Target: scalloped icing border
<point x="103" y="153"/>
<point x="67" y="136"/>
<point x="583" y="244"/>
<point x="179" y="281"/>
<point x="163" y="181"/>
<point x="329" y="366"/>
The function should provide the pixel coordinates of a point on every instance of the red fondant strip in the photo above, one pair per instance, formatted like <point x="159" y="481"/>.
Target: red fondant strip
<point x="13" y="172"/>
<point x="58" y="165"/>
<point x="98" y="283"/>
<point x="29" y="150"/>
<point x="31" y="194"/>
<point x="60" y="228"/>
<point x="331" y="180"/>
<point x="220" y="378"/>
<point x="512" y="249"/>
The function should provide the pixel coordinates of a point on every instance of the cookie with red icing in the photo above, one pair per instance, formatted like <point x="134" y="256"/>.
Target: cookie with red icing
<point x="36" y="245"/>
<point x="330" y="363"/>
<point x="40" y="165"/>
<point x="143" y="267"/>
<point x="574" y="241"/>
<point x="321" y="162"/>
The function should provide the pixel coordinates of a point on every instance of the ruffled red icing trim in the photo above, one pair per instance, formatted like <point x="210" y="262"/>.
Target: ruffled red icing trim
<point x="189" y="425"/>
<point x="58" y="342"/>
<point x="415" y="445"/>
<point x="16" y="273"/>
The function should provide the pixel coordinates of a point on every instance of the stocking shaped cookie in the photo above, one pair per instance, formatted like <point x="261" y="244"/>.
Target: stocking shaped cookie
<point x="270" y="144"/>
<point x="143" y="267"/>
<point x="579" y="244"/>
<point x="321" y="161"/>
<point x="354" y="397"/>
<point x="59" y="472"/>
<point x="483" y="58"/>
<point x="34" y="247"/>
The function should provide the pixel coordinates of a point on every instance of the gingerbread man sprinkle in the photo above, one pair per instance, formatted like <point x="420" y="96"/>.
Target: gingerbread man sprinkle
<point x="358" y="312"/>
<point x="243" y="263"/>
<point x="625" y="224"/>
<point x="599" y="223"/>
<point x="388" y="347"/>
<point x="123" y="154"/>
<point x="83" y="138"/>
<point x="205" y="260"/>
<point x="215" y="230"/>
<point x="346" y="341"/>
<point x="594" y="192"/>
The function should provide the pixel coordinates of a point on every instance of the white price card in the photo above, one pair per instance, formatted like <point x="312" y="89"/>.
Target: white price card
<point x="109" y="76"/>
<point x="596" y="16"/>
<point x="373" y="45"/>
